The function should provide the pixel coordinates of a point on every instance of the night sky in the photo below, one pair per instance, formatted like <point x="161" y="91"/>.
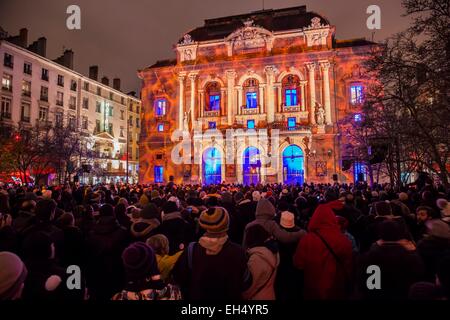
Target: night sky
<point x="124" y="36"/>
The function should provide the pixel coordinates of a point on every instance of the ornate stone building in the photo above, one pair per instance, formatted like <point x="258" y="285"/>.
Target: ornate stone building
<point x="279" y="76"/>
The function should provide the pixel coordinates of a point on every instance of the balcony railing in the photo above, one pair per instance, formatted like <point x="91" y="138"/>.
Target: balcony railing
<point x="5" y="116"/>
<point x="212" y="113"/>
<point x="25" y="119"/>
<point x="7" y="88"/>
<point x="295" y="108"/>
<point x="26" y="93"/>
<point x="285" y="127"/>
<point x="246" y="110"/>
<point x="59" y="103"/>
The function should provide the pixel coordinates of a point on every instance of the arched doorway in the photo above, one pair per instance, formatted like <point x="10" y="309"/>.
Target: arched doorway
<point x="293" y="165"/>
<point x="251" y="166"/>
<point x="212" y="166"/>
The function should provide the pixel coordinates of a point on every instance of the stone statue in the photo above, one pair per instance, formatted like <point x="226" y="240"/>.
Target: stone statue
<point x="186" y="121"/>
<point x="320" y="115"/>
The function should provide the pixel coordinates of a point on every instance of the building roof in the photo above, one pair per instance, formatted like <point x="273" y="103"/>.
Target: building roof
<point x="272" y="20"/>
<point x="353" y="43"/>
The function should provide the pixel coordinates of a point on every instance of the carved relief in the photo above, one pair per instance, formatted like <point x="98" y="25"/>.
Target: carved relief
<point x="249" y="37"/>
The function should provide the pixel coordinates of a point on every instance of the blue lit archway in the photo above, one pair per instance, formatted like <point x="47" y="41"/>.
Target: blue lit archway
<point x="212" y="166"/>
<point x="251" y="166"/>
<point x="293" y="165"/>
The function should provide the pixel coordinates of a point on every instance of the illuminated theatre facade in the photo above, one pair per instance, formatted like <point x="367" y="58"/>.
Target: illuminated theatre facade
<point x="281" y="71"/>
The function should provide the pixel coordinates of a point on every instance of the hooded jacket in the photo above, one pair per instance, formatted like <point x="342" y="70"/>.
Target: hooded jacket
<point x="263" y="265"/>
<point x="265" y="213"/>
<point x="325" y="277"/>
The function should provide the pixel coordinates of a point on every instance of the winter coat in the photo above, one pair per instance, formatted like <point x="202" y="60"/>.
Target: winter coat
<point x="245" y="213"/>
<point x="143" y="229"/>
<point x="263" y="265"/>
<point x="223" y="276"/>
<point x="265" y="213"/>
<point x="73" y="247"/>
<point x="104" y="247"/>
<point x="166" y="264"/>
<point x="325" y="277"/>
<point x="400" y="266"/>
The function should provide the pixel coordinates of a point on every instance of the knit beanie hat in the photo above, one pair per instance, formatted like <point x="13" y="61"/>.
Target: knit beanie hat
<point x="169" y="207"/>
<point x="287" y="220"/>
<point x="139" y="261"/>
<point x="159" y="243"/>
<point x="215" y="220"/>
<point x="12" y="275"/>
<point x="150" y="211"/>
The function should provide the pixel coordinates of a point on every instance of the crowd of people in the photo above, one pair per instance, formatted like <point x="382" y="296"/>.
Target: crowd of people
<point x="225" y="242"/>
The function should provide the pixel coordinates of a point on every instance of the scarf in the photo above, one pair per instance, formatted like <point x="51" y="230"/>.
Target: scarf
<point x="213" y="245"/>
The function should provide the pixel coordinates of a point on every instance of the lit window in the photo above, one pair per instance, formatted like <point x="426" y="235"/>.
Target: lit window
<point x="356" y="94"/>
<point x="160" y="127"/>
<point x="212" y="125"/>
<point x="214" y="102"/>
<point x="252" y="100"/>
<point x="159" y="172"/>
<point x="357" y="117"/>
<point x="250" y="124"/>
<point x="161" y="107"/>
<point x="291" y="123"/>
<point x="291" y="97"/>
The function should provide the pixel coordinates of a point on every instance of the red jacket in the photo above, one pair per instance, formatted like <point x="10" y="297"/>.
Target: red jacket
<point x="325" y="278"/>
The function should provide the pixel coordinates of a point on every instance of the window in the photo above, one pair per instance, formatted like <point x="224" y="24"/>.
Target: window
<point x="59" y="119"/>
<point x="73" y="85"/>
<point x="212" y="125"/>
<point x="161" y="107"/>
<point x="111" y="96"/>
<point x="6" y="108"/>
<point x="27" y="68"/>
<point x="97" y="125"/>
<point x="130" y="121"/>
<point x="43" y="113"/>
<point x="356" y="94"/>
<point x="8" y="60"/>
<point x="44" y="93"/>
<point x="291" y="97"/>
<point x="85" y="123"/>
<point x="98" y="107"/>
<point x="73" y="103"/>
<point x="110" y="111"/>
<point x="138" y="110"/>
<point x="357" y="117"/>
<point x="122" y="100"/>
<point x="60" y="80"/>
<point x="59" y="98"/>
<point x="110" y="129"/>
<point x="86" y="86"/>
<point x="122" y="115"/>
<point x="160" y="127"/>
<point x="252" y="100"/>
<point x="85" y="103"/>
<point x="291" y="123"/>
<point x="214" y="102"/>
<point x="26" y="88"/>
<point x="250" y="124"/>
<point x="44" y="75"/>
<point x="138" y="123"/>
<point x="121" y="132"/>
<point x="7" y="82"/>
<point x="72" y="123"/>
<point x="25" y="112"/>
<point x="158" y="172"/>
<point x="99" y="91"/>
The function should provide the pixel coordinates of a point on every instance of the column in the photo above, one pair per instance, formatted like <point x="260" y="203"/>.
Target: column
<point x="231" y="76"/>
<point x="312" y="91"/>
<point x="181" y="77"/>
<point x="240" y="98"/>
<point x="202" y="102"/>
<point x="303" y="98"/>
<point x="222" y="101"/>
<point x="261" y="98"/>
<point x="280" y="97"/>
<point x="325" y="66"/>
<point x="270" y="76"/>
<point x="193" y="77"/>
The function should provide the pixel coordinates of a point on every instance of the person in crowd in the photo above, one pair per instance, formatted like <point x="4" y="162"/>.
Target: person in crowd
<point x="213" y="268"/>
<point x="423" y="214"/>
<point x="13" y="274"/>
<point x="72" y="248"/>
<point x="174" y="227"/>
<point x="147" y="224"/>
<point x="120" y="212"/>
<point x="160" y="245"/>
<point x="104" y="246"/>
<point x="263" y="263"/>
<point x="325" y="256"/>
<point x="143" y="280"/>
